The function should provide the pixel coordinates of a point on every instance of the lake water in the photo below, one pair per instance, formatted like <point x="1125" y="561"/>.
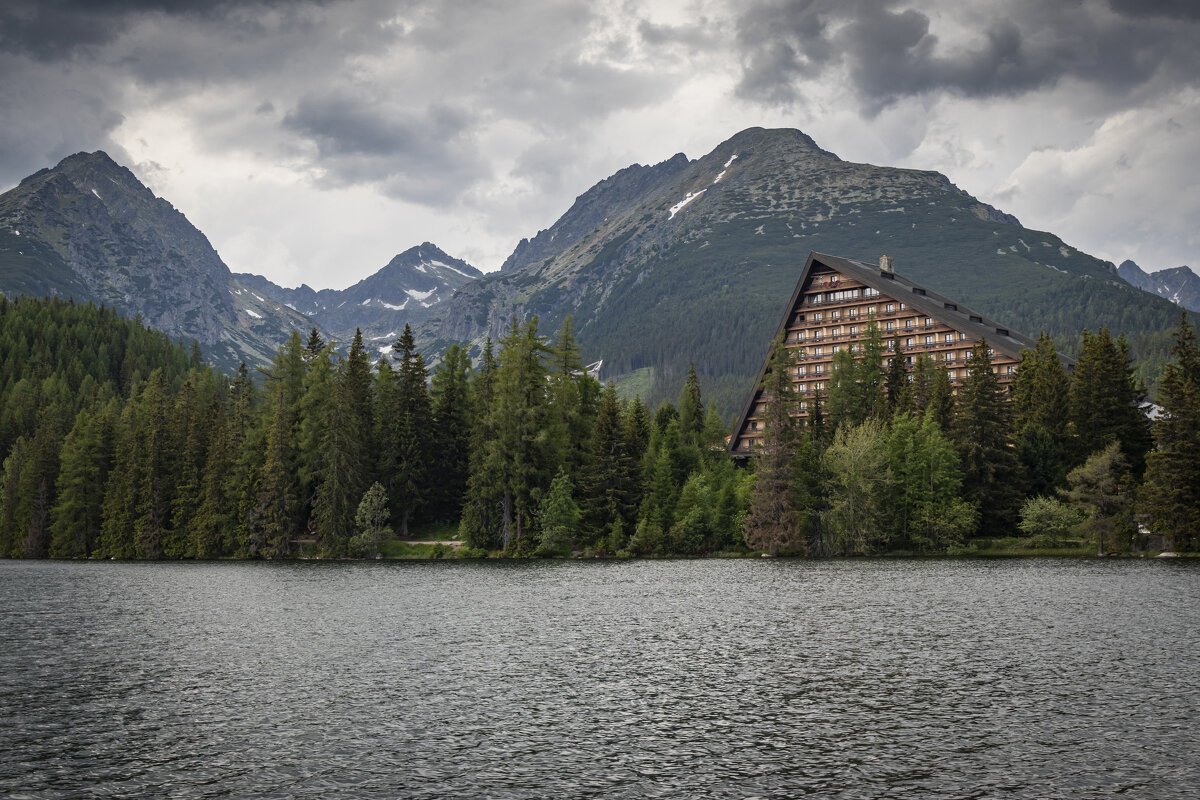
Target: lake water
<point x="680" y="679"/>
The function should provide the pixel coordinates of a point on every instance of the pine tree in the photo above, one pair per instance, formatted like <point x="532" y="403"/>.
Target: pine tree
<point x="451" y="434"/>
<point x="1170" y="496"/>
<point x="691" y="408"/>
<point x="86" y="458"/>
<point x="479" y="526"/>
<point x="609" y="485"/>
<point x="776" y="521"/>
<point x="1104" y="401"/>
<point x="415" y="416"/>
<point x="990" y="471"/>
<point x="560" y="517"/>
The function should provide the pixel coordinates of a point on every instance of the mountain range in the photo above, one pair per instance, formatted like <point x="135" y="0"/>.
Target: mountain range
<point x="1179" y="285"/>
<point x="693" y="260"/>
<point x="408" y="290"/>
<point x="660" y="266"/>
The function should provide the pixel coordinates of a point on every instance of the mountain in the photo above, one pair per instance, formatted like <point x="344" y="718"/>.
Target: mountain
<point x="88" y="229"/>
<point x="1179" y="285"/>
<point x="694" y="260"/>
<point x="407" y="290"/>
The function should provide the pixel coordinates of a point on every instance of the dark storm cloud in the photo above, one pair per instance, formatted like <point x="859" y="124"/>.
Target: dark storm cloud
<point x="423" y="156"/>
<point x="892" y="50"/>
<point x="53" y="29"/>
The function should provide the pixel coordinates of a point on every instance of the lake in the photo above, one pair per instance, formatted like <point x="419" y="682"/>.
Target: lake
<point x="1038" y="678"/>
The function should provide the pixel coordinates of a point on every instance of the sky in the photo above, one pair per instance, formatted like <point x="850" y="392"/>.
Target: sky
<point x="312" y="141"/>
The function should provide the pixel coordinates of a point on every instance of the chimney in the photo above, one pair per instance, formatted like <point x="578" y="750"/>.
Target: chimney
<point x="885" y="265"/>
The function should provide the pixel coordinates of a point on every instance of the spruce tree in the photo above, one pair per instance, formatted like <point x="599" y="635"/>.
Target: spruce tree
<point x="415" y="416"/>
<point x="775" y="520"/>
<point x="609" y="486"/>
<point x="1170" y="496"/>
<point x="991" y="474"/>
<point x="451" y="434"/>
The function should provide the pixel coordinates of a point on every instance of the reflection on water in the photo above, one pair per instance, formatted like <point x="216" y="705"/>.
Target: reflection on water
<point x="754" y="678"/>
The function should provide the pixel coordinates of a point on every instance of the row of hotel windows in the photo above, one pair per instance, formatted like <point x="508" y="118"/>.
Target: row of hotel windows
<point x="817" y="386"/>
<point x="854" y="313"/>
<point x="853" y="330"/>
<point x="842" y="295"/>
<point x="818" y="351"/>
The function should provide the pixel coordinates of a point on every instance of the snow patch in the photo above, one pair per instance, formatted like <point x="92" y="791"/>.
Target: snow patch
<point x="366" y="302"/>
<point x="252" y="313"/>
<point x="1064" y="252"/>
<point x="421" y="296"/>
<point x="420" y="267"/>
<point x="732" y="158"/>
<point x="292" y="307"/>
<point x="259" y="299"/>
<point x="1000" y="251"/>
<point x="395" y="308"/>
<point x="675" y="209"/>
<point x="16" y="233"/>
<point x="98" y="197"/>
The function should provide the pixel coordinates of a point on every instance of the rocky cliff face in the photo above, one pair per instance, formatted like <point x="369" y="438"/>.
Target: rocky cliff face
<point x="90" y="230"/>
<point x="1180" y="285"/>
<point x="409" y="290"/>
<point x="694" y="260"/>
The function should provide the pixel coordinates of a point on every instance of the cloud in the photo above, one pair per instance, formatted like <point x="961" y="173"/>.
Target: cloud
<point x="424" y="155"/>
<point x="889" y="51"/>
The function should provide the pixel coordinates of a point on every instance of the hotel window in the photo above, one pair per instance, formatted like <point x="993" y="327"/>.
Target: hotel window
<point x="929" y="340"/>
<point x="908" y="343"/>
<point x="1011" y="369"/>
<point x="819" y="385"/>
<point x="891" y="344"/>
<point x="991" y="352"/>
<point x="816" y="317"/>
<point x="962" y="337"/>
<point x="908" y="323"/>
<point x="817" y="370"/>
<point x="836" y="348"/>
<point x="803" y="405"/>
<point x="853" y="329"/>
<point x="799" y="336"/>
<point x="908" y="361"/>
<point x="891" y="326"/>
<point x="800" y="371"/>
<point x="929" y="322"/>
<point x="949" y="357"/>
<point x="891" y="307"/>
<point x="834" y="314"/>
<point x="952" y="375"/>
<point x="949" y="338"/>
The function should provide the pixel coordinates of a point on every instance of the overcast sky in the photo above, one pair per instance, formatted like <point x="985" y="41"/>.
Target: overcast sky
<point x="312" y="141"/>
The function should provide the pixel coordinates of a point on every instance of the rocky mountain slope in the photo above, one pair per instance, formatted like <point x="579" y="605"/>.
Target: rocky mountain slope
<point x="694" y="261"/>
<point x="1179" y="285"/>
<point x="407" y="290"/>
<point x="88" y="229"/>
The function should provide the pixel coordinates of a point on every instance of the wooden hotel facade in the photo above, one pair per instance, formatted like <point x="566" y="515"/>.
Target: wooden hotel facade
<point x="833" y="304"/>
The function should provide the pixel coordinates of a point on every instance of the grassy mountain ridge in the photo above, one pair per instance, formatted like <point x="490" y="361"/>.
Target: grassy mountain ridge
<point x="698" y="266"/>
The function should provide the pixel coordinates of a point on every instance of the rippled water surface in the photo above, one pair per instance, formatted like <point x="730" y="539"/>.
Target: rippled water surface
<point x="680" y="679"/>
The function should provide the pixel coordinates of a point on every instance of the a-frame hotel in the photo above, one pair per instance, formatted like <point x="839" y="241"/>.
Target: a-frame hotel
<point x="831" y="308"/>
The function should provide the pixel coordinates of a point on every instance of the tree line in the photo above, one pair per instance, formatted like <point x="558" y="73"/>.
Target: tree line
<point x="891" y="461"/>
<point x="118" y="443"/>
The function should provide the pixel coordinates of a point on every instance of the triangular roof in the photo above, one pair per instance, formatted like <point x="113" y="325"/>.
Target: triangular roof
<point x="928" y="302"/>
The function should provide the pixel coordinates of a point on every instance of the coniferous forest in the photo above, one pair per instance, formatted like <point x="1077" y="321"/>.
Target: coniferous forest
<point x="118" y="443"/>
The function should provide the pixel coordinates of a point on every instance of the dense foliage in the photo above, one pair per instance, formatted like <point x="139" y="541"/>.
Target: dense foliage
<point x="1058" y="456"/>
<point x="118" y="443"/>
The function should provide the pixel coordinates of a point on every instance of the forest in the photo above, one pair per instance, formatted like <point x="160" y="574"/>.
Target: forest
<point x="119" y="443"/>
